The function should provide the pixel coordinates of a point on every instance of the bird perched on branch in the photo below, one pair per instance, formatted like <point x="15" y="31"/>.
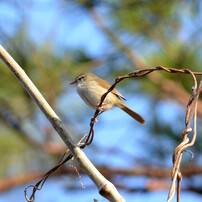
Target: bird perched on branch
<point x="91" y="88"/>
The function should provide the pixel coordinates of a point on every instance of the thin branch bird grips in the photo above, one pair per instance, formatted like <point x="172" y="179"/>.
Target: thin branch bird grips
<point x="191" y="113"/>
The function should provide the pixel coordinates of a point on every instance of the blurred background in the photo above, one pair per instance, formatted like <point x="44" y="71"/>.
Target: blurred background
<point x="54" y="41"/>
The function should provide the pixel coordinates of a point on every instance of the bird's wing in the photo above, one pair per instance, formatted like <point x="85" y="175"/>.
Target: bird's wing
<point x="114" y="91"/>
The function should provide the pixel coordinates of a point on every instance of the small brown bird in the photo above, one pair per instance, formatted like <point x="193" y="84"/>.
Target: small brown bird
<point x="91" y="88"/>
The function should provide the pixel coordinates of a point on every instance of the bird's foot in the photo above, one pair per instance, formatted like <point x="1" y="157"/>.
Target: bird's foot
<point x="101" y="108"/>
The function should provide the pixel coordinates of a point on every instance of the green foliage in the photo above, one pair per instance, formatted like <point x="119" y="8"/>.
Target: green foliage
<point x="12" y="150"/>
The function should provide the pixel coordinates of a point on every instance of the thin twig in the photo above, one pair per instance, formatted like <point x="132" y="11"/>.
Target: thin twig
<point x="191" y="111"/>
<point x="177" y="156"/>
<point x="137" y="73"/>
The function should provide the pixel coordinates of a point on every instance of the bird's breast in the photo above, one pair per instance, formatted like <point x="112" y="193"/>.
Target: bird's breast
<point x="91" y="94"/>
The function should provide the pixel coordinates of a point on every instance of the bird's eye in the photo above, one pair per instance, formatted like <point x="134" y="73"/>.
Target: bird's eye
<point x="80" y="78"/>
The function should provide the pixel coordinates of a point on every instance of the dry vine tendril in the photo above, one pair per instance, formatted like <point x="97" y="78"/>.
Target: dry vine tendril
<point x="177" y="156"/>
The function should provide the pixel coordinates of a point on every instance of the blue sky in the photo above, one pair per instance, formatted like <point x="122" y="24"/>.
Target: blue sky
<point x="77" y="30"/>
<point x="55" y="190"/>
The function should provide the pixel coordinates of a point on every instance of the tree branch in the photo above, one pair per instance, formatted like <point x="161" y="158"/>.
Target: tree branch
<point x="158" y="173"/>
<point x="106" y="189"/>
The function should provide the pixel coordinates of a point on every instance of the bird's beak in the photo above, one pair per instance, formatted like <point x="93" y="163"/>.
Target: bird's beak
<point x="73" y="82"/>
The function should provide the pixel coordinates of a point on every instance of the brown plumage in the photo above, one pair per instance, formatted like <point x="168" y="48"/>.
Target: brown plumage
<point x="91" y="88"/>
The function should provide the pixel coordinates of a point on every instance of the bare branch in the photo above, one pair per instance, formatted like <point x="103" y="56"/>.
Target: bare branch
<point x="158" y="173"/>
<point x="191" y="112"/>
<point x="177" y="156"/>
<point x="137" y="73"/>
<point x="110" y="192"/>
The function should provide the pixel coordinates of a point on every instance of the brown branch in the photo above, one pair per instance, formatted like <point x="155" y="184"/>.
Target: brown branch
<point x="136" y="59"/>
<point x="9" y="182"/>
<point x="191" y="112"/>
<point x="140" y="170"/>
<point x="137" y="73"/>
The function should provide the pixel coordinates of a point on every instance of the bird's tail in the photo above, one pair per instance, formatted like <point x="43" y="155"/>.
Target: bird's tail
<point x="133" y="114"/>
